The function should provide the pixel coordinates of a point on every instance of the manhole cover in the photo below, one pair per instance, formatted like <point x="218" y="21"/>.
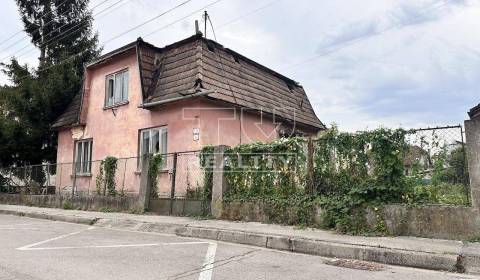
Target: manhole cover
<point x="356" y="264"/>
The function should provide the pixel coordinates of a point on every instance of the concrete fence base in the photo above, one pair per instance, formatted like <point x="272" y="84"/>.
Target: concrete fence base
<point x="112" y="203"/>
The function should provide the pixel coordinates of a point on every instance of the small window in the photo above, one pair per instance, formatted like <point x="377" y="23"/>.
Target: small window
<point x="153" y="140"/>
<point x="83" y="157"/>
<point x="116" y="91"/>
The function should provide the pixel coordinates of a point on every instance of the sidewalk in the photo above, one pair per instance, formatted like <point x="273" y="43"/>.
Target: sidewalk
<point x="405" y="251"/>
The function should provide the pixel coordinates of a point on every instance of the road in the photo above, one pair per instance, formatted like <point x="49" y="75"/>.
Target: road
<point x="41" y="249"/>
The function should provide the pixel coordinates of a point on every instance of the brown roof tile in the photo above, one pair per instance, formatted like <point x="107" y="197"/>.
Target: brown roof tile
<point x="237" y="80"/>
<point x="178" y="69"/>
<point x="71" y="115"/>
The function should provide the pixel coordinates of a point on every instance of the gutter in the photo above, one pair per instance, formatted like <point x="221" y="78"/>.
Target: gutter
<point x="155" y="103"/>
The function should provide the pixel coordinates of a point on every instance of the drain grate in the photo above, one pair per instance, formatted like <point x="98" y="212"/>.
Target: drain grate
<point x="356" y="264"/>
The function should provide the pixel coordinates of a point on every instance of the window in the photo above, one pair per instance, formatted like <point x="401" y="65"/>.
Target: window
<point x="83" y="157"/>
<point x="116" y="88"/>
<point x="153" y="140"/>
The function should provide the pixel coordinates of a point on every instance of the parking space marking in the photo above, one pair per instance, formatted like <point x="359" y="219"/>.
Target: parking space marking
<point x="17" y="228"/>
<point x="206" y="270"/>
<point x="24" y="224"/>
<point x="28" y="247"/>
<point x="109" y="246"/>
<point x="207" y="267"/>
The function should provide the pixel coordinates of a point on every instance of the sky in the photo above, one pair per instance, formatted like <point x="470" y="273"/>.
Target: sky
<point x="363" y="63"/>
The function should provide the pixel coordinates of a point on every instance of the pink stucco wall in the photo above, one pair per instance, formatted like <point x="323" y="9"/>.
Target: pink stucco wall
<point x="115" y="132"/>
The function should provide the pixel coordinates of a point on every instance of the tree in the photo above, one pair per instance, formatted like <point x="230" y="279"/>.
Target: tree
<point x="62" y="30"/>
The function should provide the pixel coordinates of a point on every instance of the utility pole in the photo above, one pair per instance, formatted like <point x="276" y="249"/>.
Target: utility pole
<point x="205" y="17"/>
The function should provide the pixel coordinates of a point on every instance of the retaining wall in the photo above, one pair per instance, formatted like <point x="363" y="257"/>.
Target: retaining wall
<point x="431" y="221"/>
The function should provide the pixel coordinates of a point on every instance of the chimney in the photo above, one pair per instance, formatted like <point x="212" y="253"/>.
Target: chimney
<point x="197" y="29"/>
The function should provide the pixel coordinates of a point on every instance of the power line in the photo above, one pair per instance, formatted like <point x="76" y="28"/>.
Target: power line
<point x="21" y="30"/>
<point x="115" y="37"/>
<point x="182" y="18"/>
<point x="207" y="17"/>
<point x="247" y="14"/>
<point x="36" y="30"/>
<point x="357" y="40"/>
<point x="56" y="38"/>
<point x="148" y="21"/>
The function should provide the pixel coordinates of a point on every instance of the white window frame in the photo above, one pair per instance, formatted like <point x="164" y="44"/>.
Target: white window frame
<point x="162" y="141"/>
<point x="124" y="83"/>
<point x="83" y="164"/>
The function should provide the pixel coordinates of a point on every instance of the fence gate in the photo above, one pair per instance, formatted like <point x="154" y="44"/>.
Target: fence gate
<point x="179" y="189"/>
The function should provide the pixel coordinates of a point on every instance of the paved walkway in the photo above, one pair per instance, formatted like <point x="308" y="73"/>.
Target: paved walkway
<point x="408" y="251"/>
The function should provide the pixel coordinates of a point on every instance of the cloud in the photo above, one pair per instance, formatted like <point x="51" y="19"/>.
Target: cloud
<point x="403" y="15"/>
<point x="425" y="73"/>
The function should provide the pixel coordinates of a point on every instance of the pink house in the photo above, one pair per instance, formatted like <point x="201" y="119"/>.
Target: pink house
<point x="144" y="99"/>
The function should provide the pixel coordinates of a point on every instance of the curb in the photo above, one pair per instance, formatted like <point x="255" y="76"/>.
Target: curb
<point x="432" y="261"/>
<point x="445" y="262"/>
<point x="52" y="217"/>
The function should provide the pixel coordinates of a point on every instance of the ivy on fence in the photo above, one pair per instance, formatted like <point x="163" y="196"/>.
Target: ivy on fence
<point x="357" y="170"/>
<point x="156" y="161"/>
<point x="350" y="170"/>
<point x="105" y="181"/>
<point x="260" y="169"/>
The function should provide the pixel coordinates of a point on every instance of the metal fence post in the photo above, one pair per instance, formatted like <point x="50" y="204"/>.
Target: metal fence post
<point x="59" y="180"/>
<point x="219" y="181"/>
<point x="310" y="183"/>
<point x="48" y="178"/>
<point x="465" y="171"/>
<point x="172" y="189"/>
<point x="74" y="179"/>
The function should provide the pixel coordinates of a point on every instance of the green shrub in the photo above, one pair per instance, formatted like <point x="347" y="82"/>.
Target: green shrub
<point x="105" y="210"/>
<point x="443" y="193"/>
<point x="67" y="205"/>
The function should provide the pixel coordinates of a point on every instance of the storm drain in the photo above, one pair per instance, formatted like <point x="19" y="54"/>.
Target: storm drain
<point x="356" y="264"/>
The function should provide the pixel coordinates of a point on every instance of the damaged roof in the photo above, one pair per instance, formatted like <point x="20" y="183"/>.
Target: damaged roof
<point x="196" y="63"/>
<point x="71" y="115"/>
<point x="474" y="112"/>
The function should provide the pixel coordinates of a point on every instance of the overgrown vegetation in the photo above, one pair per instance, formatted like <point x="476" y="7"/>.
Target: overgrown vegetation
<point x="156" y="162"/>
<point x="67" y="205"/>
<point x="352" y="172"/>
<point x="105" y="181"/>
<point x="265" y="169"/>
<point x="205" y="193"/>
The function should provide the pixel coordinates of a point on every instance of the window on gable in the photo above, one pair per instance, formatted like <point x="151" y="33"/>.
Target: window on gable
<point x="83" y="157"/>
<point x="153" y="140"/>
<point x="116" y="88"/>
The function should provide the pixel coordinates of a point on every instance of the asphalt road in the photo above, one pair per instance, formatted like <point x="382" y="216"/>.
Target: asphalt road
<point x="40" y="249"/>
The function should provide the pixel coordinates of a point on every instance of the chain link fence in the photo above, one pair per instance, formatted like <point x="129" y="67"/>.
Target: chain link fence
<point x="66" y="178"/>
<point x="436" y="159"/>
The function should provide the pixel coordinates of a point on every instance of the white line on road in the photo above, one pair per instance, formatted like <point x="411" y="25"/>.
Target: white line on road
<point x="17" y="228"/>
<point x="27" y="247"/>
<point x="24" y="224"/>
<point x="207" y="268"/>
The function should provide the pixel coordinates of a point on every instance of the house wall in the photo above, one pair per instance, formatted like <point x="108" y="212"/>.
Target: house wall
<point x="115" y="132"/>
